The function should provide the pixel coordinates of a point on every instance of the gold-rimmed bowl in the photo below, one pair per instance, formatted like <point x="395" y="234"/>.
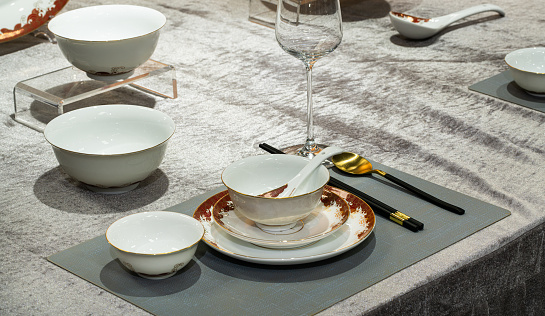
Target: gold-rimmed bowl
<point x="108" y="41"/>
<point x="155" y="245"/>
<point x="527" y="66"/>
<point x="250" y="177"/>
<point x="110" y="148"/>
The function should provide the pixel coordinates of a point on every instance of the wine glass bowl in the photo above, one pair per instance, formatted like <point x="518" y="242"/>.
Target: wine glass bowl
<point x="309" y="30"/>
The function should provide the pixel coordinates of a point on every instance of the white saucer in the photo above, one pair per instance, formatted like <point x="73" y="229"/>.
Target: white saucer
<point x="325" y="219"/>
<point x="357" y="228"/>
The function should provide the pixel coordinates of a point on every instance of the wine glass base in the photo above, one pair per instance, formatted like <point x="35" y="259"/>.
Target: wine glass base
<point x="298" y="150"/>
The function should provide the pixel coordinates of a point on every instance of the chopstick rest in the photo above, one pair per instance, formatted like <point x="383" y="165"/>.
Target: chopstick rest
<point x="380" y="207"/>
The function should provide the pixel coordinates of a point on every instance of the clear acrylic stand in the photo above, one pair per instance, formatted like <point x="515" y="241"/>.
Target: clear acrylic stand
<point x="263" y="12"/>
<point x="40" y="99"/>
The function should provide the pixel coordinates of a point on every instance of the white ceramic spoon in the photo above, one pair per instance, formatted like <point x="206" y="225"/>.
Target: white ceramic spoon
<point x="289" y="188"/>
<point x="422" y="28"/>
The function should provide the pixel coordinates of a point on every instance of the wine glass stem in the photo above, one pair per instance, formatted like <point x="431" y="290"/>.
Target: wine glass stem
<point x="310" y="144"/>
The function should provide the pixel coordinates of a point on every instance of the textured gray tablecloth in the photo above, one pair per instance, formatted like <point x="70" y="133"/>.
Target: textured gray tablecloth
<point x="403" y="103"/>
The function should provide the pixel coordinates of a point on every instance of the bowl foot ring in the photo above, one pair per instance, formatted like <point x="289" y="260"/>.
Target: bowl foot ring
<point x="281" y="229"/>
<point x="120" y="190"/>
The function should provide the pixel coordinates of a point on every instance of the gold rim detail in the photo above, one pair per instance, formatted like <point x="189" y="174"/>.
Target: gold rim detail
<point x="154" y="254"/>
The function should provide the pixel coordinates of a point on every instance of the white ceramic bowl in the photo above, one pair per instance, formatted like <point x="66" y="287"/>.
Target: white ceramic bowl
<point x="246" y="179"/>
<point x="108" y="41"/>
<point x="111" y="148"/>
<point x="527" y="66"/>
<point x="155" y="245"/>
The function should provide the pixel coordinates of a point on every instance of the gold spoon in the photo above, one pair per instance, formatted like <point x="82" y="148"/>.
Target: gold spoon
<point x="355" y="164"/>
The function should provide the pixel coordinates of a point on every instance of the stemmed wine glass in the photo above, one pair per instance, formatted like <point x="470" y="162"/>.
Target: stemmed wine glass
<point x="309" y="30"/>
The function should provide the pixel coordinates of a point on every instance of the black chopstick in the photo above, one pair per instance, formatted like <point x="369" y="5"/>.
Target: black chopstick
<point x="381" y="208"/>
<point x="378" y="206"/>
<point x="428" y="197"/>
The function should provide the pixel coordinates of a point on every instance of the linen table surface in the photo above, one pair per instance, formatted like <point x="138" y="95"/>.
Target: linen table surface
<point x="403" y="103"/>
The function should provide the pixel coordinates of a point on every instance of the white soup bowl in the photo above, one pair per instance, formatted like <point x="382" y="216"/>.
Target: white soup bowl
<point x="527" y="66"/>
<point x="110" y="148"/>
<point x="250" y="177"/>
<point x="108" y="41"/>
<point x="155" y="245"/>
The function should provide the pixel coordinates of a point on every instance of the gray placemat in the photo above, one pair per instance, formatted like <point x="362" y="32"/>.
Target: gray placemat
<point x="214" y="284"/>
<point x="503" y="87"/>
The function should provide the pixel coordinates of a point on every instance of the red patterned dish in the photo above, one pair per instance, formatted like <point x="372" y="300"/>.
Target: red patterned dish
<point x="20" y="17"/>
<point x="330" y="214"/>
<point x="357" y="228"/>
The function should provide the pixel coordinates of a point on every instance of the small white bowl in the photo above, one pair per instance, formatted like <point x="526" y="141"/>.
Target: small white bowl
<point x="246" y="179"/>
<point x="110" y="148"/>
<point x="527" y="66"/>
<point x="155" y="245"/>
<point x="108" y="41"/>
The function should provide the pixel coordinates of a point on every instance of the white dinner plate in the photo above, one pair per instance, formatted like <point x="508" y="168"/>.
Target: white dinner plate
<point x="330" y="214"/>
<point x="357" y="228"/>
<point x="20" y="17"/>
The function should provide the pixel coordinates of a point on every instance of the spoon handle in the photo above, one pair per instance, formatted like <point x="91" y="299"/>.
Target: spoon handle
<point x="314" y="163"/>
<point x="424" y="195"/>
<point x="453" y="17"/>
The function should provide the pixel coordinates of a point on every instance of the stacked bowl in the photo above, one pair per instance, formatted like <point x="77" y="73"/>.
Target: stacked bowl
<point x="310" y="215"/>
<point x="246" y="222"/>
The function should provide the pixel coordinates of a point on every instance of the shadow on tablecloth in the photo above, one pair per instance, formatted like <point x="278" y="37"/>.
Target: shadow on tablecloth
<point x="57" y="190"/>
